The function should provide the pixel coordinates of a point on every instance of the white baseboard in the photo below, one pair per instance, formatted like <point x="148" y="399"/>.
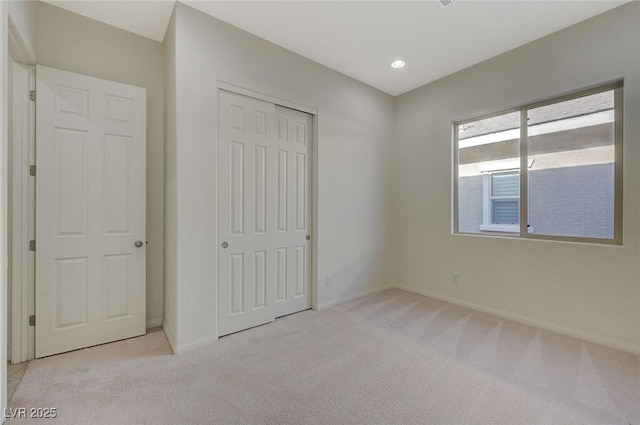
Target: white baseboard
<point x="181" y="348"/>
<point x="353" y="296"/>
<point x="154" y="323"/>
<point x="565" y="330"/>
<point x="169" y="340"/>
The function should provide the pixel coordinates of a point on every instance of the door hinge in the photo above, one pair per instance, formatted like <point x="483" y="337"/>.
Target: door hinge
<point x="32" y="170"/>
<point x="32" y="245"/>
<point x="32" y="320"/>
<point x="32" y="95"/>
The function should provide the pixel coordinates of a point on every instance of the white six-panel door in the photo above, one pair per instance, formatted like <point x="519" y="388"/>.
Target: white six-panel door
<point x="293" y="211"/>
<point x="264" y="212"/>
<point x="90" y="211"/>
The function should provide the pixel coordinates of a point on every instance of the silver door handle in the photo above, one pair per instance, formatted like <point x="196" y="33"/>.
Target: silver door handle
<point x="138" y="244"/>
<point x="225" y="244"/>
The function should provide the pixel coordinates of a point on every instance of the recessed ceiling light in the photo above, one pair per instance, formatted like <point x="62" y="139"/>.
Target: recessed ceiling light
<point x="398" y="63"/>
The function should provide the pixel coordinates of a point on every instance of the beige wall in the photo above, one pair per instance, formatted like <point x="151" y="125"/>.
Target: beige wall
<point x="354" y="157"/>
<point x="71" y="42"/>
<point x="593" y="290"/>
<point x="170" y="319"/>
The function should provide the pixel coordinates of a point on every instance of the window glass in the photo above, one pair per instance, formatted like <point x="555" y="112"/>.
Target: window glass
<point x="505" y="198"/>
<point x="571" y="184"/>
<point x="486" y="148"/>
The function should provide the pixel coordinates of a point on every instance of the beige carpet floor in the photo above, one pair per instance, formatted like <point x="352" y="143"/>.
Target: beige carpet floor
<point x="390" y="358"/>
<point x="15" y="372"/>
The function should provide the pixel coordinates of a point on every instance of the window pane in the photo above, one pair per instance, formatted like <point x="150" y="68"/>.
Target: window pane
<point x="505" y="185"/>
<point x="571" y="182"/>
<point x="505" y="211"/>
<point x="484" y="146"/>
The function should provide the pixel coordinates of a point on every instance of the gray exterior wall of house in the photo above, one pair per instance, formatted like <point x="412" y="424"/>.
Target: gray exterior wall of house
<point x="470" y="204"/>
<point x="568" y="201"/>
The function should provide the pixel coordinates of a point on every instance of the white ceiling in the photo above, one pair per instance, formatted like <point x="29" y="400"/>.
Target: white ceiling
<point x="361" y="38"/>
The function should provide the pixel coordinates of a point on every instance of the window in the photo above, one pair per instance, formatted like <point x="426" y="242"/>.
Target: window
<point x="501" y="201"/>
<point x="505" y="198"/>
<point x="557" y="163"/>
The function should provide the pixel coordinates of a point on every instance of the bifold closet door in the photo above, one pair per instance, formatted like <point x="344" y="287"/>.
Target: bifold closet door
<point x="264" y="212"/>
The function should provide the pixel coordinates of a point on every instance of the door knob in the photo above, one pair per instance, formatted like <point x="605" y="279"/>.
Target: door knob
<point x="138" y="244"/>
<point x="225" y="244"/>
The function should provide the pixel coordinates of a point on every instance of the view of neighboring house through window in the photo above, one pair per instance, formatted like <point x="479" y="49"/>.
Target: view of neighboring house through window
<point x="505" y="198"/>
<point x="489" y="174"/>
<point x="569" y="156"/>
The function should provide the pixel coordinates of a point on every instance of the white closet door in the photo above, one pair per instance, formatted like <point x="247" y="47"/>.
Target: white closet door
<point x="264" y="212"/>
<point x="293" y="211"/>
<point x="90" y="211"/>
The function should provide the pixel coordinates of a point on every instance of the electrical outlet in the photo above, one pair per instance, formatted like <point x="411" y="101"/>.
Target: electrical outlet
<point x="329" y="280"/>
<point x="456" y="277"/>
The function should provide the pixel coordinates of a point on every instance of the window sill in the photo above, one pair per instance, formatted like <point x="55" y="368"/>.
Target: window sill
<point x="504" y="228"/>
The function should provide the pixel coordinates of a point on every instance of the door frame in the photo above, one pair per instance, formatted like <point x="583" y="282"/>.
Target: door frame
<point x="22" y="224"/>
<point x="235" y="89"/>
<point x="4" y="187"/>
<point x="22" y="194"/>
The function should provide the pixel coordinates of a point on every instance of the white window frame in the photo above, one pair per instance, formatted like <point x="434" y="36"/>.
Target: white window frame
<point x="487" y="206"/>
<point x="523" y="230"/>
